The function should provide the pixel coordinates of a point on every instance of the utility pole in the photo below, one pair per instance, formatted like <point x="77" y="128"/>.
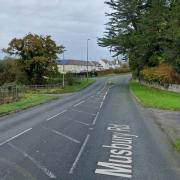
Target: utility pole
<point x="87" y="58"/>
<point x="63" y="83"/>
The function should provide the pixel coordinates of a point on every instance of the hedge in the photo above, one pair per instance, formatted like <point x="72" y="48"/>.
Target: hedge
<point x="163" y="74"/>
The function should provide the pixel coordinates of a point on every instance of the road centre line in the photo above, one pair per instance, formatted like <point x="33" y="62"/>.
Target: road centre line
<point x="95" y="119"/>
<point x="101" y="105"/>
<point x="61" y="134"/>
<point x="78" y="103"/>
<point x="79" y="154"/>
<point x="56" y="115"/>
<point x="104" y="99"/>
<point x="16" y="136"/>
<point x="36" y="163"/>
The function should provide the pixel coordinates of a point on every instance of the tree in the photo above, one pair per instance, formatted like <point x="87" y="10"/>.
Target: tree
<point x="147" y="31"/>
<point x="121" y="30"/>
<point x="8" y="69"/>
<point x="172" y="46"/>
<point x="122" y="22"/>
<point x="37" y="55"/>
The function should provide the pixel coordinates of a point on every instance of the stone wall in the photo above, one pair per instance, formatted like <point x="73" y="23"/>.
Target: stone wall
<point x="172" y="87"/>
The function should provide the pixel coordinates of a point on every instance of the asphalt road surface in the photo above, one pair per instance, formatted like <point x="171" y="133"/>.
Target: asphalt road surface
<point x="100" y="133"/>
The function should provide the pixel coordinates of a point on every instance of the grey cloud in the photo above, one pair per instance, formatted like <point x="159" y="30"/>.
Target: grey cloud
<point x="70" y="22"/>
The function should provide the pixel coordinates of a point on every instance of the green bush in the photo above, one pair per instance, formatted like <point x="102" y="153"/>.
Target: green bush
<point x="124" y="69"/>
<point x="70" y="79"/>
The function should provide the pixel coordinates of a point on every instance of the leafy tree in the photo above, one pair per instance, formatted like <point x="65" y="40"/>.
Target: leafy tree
<point x="172" y="46"/>
<point x="8" y="69"/>
<point x="37" y="55"/>
<point x="147" y="31"/>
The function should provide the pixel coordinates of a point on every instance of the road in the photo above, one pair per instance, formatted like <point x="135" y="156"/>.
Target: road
<point x="100" y="133"/>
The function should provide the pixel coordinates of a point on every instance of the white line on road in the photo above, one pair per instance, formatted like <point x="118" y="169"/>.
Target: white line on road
<point x="41" y="167"/>
<point x="14" y="137"/>
<point x="56" y="115"/>
<point x="79" y="103"/>
<point x="101" y="105"/>
<point x="61" y="134"/>
<point x="81" y="123"/>
<point x="79" y="155"/>
<point x="95" y="119"/>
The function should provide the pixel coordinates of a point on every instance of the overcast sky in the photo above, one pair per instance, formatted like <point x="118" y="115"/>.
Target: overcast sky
<point x="70" y="22"/>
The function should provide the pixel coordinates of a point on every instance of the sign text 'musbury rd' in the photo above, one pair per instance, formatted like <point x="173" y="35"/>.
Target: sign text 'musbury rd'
<point x="120" y="161"/>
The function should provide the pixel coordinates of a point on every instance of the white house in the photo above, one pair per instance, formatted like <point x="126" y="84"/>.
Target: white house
<point x="79" y="66"/>
<point x="75" y="66"/>
<point x="97" y="66"/>
<point x="116" y="64"/>
<point x="105" y="64"/>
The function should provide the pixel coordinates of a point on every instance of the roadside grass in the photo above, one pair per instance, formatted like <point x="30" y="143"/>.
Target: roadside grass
<point x="29" y="100"/>
<point x="33" y="98"/>
<point x="155" y="98"/>
<point x="177" y="145"/>
<point x="77" y="86"/>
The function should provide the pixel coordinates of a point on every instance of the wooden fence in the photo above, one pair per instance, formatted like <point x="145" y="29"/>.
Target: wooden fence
<point x="13" y="93"/>
<point x="9" y="94"/>
<point x="46" y="88"/>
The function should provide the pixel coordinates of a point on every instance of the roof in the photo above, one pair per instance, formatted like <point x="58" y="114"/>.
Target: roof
<point x="105" y="61"/>
<point x="75" y="62"/>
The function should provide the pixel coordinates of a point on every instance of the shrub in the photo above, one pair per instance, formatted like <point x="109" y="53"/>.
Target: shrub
<point x="124" y="69"/>
<point x="70" y="79"/>
<point x="163" y="74"/>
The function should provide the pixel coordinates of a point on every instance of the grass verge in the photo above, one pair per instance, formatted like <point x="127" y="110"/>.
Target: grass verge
<point x="31" y="98"/>
<point x="27" y="101"/>
<point x="77" y="86"/>
<point x="177" y="145"/>
<point x="155" y="98"/>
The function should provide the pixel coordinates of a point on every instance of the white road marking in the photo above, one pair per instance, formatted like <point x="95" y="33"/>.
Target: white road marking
<point x="61" y="134"/>
<point x="56" y="115"/>
<point x="38" y="165"/>
<point x="16" y="136"/>
<point x="104" y="98"/>
<point x="81" y="123"/>
<point x="79" y="155"/>
<point x="79" y="103"/>
<point x="83" y="112"/>
<point x="101" y="105"/>
<point x="121" y="150"/>
<point x="95" y="119"/>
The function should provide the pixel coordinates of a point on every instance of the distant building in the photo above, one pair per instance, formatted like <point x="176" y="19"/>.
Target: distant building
<point x="115" y="64"/>
<point x="97" y="66"/>
<point x="105" y="64"/>
<point x="79" y="66"/>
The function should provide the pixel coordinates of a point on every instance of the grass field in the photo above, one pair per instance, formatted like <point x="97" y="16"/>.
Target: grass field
<point x="33" y="98"/>
<point x="155" y="98"/>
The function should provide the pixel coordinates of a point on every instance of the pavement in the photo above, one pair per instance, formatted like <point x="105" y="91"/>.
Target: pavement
<point x="100" y="133"/>
<point x="168" y="121"/>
